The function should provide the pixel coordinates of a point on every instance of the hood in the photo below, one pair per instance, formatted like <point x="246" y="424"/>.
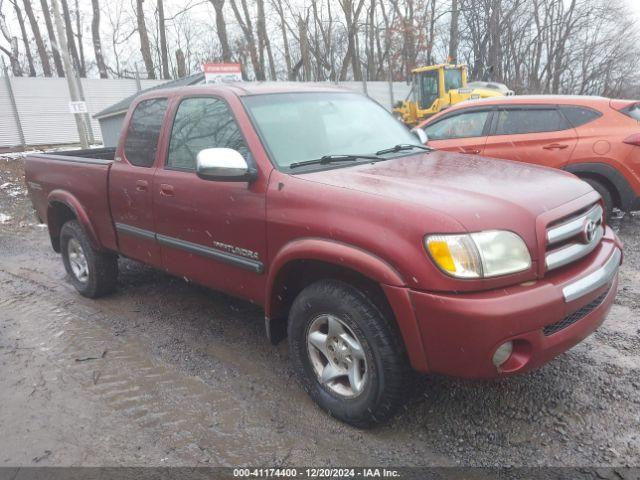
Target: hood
<point x="480" y="193"/>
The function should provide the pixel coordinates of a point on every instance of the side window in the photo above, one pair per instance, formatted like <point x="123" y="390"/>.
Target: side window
<point x="141" y="143"/>
<point x="579" y="115"/>
<point x="202" y="123"/>
<point x="529" y="120"/>
<point x="465" y="125"/>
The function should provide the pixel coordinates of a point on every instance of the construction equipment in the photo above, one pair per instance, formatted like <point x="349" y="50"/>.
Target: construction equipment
<point x="437" y="87"/>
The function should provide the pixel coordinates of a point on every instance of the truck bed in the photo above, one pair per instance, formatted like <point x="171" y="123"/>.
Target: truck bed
<point x="78" y="179"/>
<point x="86" y="155"/>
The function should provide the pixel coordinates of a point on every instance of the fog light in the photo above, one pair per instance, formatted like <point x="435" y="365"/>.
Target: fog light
<point x="502" y="353"/>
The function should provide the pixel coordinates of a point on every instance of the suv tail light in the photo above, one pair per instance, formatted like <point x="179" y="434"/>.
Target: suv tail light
<point x="633" y="139"/>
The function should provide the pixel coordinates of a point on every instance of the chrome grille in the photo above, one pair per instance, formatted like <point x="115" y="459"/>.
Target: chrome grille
<point x="574" y="238"/>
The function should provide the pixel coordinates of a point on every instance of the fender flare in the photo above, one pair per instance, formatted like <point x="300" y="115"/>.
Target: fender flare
<point x="67" y="199"/>
<point x="333" y="252"/>
<point x="624" y="192"/>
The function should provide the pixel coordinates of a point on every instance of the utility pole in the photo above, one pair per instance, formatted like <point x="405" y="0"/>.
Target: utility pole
<point x="70" y="72"/>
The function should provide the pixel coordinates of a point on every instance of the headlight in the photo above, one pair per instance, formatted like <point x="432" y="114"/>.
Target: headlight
<point x="479" y="255"/>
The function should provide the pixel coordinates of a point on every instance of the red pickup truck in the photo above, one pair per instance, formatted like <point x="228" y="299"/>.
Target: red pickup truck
<point x="375" y="255"/>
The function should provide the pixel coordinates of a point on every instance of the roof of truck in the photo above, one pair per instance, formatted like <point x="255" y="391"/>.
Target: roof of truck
<point x="239" y="88"/>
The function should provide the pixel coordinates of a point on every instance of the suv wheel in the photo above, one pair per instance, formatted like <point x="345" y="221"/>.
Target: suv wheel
<point x="346" y="353"/>
<point x="93" y="273"/>
<point x="605" y="193"/>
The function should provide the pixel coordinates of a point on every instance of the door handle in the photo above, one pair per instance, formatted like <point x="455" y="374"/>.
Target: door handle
<point x="556" y="146"/>
<point x="472" y="151"/>
<point x="142" y="185"/>
<point x="166" y="190"/>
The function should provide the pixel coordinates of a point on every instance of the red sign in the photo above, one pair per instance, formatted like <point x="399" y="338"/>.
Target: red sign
<point x="222" y="72"/>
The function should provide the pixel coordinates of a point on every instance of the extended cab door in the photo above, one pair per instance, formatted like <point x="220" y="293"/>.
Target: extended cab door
<point x="212" y="232"/>
<point x="462" y="131"/>
<point x="131" y="182"/>
<point x="531" y="133"/>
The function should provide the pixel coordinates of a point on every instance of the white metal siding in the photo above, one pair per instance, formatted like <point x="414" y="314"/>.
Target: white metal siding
<point x="9" y="134"/>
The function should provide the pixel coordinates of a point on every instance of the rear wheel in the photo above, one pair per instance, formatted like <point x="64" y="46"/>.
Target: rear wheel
<point x="605" y="193"/>
<point x="93" y="273"/>
<point x="347" y="354"/>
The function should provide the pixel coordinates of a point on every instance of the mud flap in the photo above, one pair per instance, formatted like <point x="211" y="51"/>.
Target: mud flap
<point x="276" y="329"/>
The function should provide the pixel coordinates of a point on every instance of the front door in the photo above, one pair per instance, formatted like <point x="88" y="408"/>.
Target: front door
<point x="131" y="183"/>
<point x="211" y="232"/>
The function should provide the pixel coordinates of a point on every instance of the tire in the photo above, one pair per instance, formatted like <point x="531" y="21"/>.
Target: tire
<point x="95" y="275"/>
<point x="605" y="193"/>
<point x="381" y="363"/>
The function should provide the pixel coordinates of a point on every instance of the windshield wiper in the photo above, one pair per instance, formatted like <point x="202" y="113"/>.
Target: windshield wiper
<point x="401" y="147"/>
<point x="333" y="159"/>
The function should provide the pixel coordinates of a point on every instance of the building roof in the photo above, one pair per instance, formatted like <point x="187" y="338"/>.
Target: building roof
<point x="123" y="105"/>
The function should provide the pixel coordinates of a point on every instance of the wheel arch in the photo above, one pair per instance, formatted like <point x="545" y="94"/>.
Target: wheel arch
<point x="622" y="193"/>
<point x="303" y="262"/>
<point x="62" y="207"/>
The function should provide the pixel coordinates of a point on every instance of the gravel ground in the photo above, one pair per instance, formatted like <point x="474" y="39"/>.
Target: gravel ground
<point x="167" y="373"/>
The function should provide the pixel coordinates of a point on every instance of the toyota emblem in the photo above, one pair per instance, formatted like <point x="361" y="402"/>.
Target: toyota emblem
<point x="589" y="231"/>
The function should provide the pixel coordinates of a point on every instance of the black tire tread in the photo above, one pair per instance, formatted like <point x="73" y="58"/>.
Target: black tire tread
<point x="103" y="266"/>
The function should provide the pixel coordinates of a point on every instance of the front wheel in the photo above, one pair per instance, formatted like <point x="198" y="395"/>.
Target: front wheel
<point x="93" y="273"/>
<point x="347" y="353"/>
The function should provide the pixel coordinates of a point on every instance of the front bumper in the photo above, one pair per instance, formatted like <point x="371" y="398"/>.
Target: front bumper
<point x="460" y="332"/>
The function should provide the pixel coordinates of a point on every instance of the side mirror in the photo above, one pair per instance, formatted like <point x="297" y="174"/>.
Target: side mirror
<point x="421" y="134"/>
<point x="223" y="165"/>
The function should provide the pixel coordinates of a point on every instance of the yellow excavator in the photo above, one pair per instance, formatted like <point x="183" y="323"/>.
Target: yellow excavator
<point x="437" y="87"/>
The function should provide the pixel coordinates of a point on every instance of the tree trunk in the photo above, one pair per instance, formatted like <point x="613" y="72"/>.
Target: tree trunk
<point x="25" y="40"/>
<point x="163" y="42"/>
<point x="68" y="26"/>
<point x="454" y="32"/>
<point x="83" y="64"/>
<point x="97" y="44"/>
<point x="285" y="41"/>
<point x="42" y="51"/>
<point x="263" y="41"/>
<point x="304" y="50"/>
<point x="221" y="29"/>
<point x="145" y="49"/>
<point x="50" y="31"/>
<point x="181" y="64"/>
<point x="247" y="29"/>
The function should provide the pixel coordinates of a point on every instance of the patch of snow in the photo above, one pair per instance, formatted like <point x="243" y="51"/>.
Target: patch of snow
<point x="4" y="218"/>
<point x="5" y="185"/>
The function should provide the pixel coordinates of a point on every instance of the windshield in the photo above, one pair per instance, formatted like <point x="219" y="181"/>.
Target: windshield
<point x="296" y="127"/>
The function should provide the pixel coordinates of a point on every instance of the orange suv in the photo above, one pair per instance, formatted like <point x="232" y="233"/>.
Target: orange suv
<point x="595" y="138"/>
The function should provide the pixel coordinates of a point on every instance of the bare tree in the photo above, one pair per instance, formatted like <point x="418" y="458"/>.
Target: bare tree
<point x="454" y="32"/>
<point x="79" y="35"/>
<point x="145" y="48"/>
<point x="25" y="39"/>
<point x="95" y="36"/>
<point x="11" y="52"/>
<point x="57" y="60"/>
<point x="71" y="43"/>
<point x="164" y="58"/>
<point x="246" y="25"/>
<point x="221" y="29"/>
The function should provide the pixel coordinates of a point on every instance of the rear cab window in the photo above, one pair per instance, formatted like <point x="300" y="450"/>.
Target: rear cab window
<point x="141" y="142"/>
<point x="523" y="120"/>
<point x="200" y="123"/>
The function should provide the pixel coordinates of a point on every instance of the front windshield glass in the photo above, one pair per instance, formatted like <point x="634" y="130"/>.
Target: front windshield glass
<point x="297" y="127"/>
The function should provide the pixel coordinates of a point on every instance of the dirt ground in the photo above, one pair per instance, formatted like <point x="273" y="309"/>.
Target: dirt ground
<point x="167" y="373"/>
